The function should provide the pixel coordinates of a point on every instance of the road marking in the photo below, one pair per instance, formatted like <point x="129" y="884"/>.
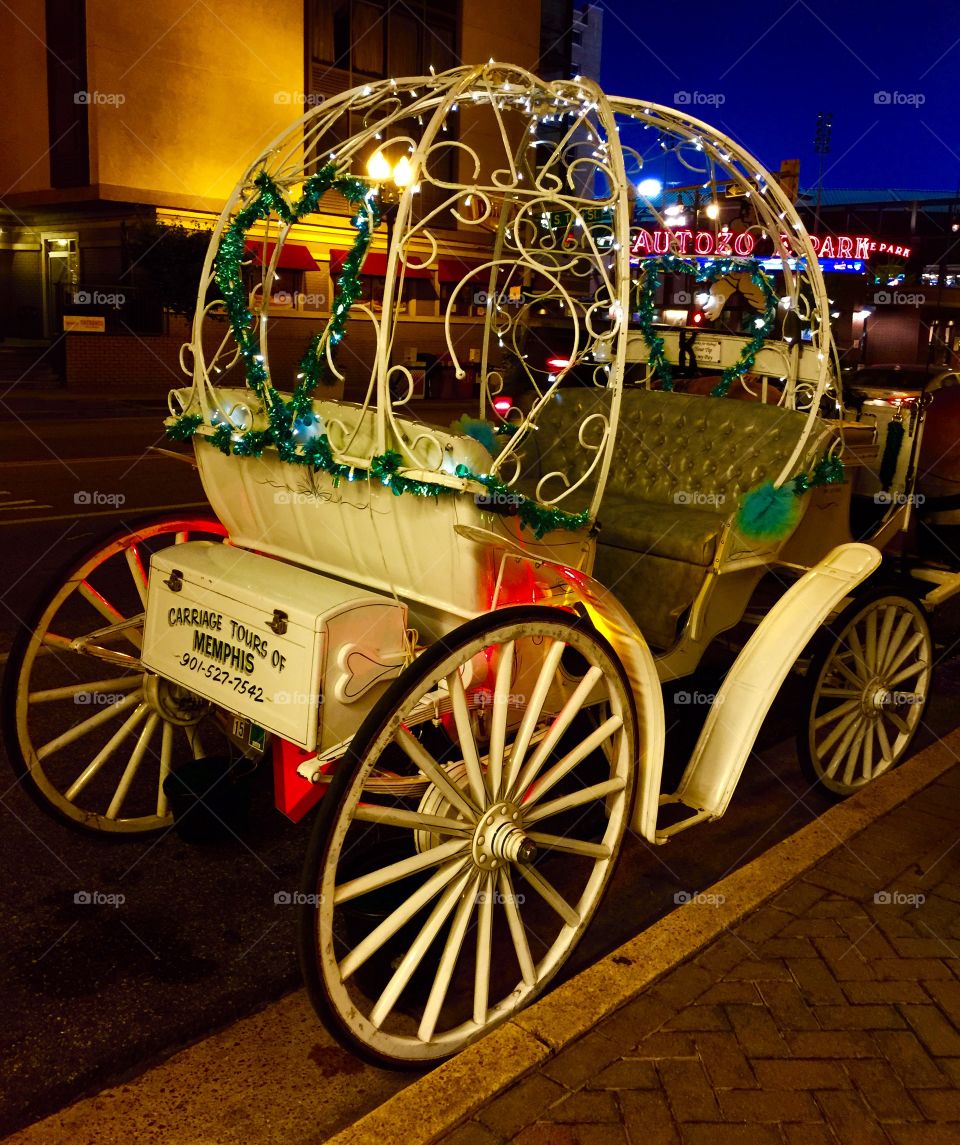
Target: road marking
<point x="129" y="509"/>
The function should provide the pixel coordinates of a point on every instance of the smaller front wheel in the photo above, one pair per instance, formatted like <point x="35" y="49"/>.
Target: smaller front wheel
<point x="867" y="689"/>
<point x="468" y="835"/>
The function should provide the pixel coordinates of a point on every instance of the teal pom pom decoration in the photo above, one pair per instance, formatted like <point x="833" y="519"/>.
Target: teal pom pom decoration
<point x="768" y="513"/>
<point x="479" y="430"/>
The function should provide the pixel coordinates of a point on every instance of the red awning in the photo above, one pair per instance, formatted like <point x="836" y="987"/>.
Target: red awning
<point x="293" y="256"/>
<point x="454" y="269"/>
<point x="375" y="264"/>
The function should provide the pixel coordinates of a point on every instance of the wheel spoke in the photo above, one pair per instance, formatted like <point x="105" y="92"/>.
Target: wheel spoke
<point x="418" y="754"/>
<point x="115" y="684"/>
<point x="898" y="722"/>
<point x="138" y="572"/>
<point x="908" y="648"/>
<point x="448" y="961"/>
<point x="837" y="732"/>
<point x="895" y="641"/>
<point x="130" y="771"/>
<point x="871" y="640"/>
<point x="90" y="724"/>
<point x="418" y="949"/>
<point x="518" y="932"/>
<point x="403" y="913"/>
<point x="550" y="895"/>
<point x="166" y="757"/>
<point x="563" y="767"/>
<point x="468" y="745"/>
<point x="840" y="693"/>
<point x="570" y="846"/>
<point x="906" y="673"/>
<point x="107" y="611"/>
<point x="410" y="820"/>
<point x="853" y="755"/>
<point x="856" y="647"/>
<point x="481" y="973"/>
<point x="498" y="723"/>
<point x="575" y="799"/>
<point x="883" y="640"/>
<point x="531" y="717"/>
<point x="835" y="713"/>
<point x="868" y="752"/>
<point x="560" y="724"/>
<point x="841" y="751"/>
<point x="852" y="678"/>
<point x="392" y="873"/>
<point x="886" y="751"/>
<point x="105" y="753"/>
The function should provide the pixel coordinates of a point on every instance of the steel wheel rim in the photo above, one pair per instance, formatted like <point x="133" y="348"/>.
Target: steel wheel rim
<point x="137" y="719"/>
<point x="461" y="911"/>
<point x="870" y="694"/>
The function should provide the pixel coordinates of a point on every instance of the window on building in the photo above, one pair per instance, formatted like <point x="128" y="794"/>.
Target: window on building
<point x="373" y="39"/>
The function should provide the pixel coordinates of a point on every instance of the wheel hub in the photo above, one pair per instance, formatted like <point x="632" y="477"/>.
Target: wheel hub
<point x="173" y="703"/>
<point x="878" y="699"/>
<point x="499" y="838"/>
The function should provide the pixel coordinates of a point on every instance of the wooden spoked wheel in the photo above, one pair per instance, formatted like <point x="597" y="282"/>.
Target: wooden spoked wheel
<point x="430" y="917"/>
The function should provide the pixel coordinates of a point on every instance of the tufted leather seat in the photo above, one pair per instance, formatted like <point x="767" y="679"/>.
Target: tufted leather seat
<point x="680" y="467"/>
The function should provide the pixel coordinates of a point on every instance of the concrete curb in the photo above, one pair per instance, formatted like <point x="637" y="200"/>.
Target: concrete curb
<point x="442" y="1099"/>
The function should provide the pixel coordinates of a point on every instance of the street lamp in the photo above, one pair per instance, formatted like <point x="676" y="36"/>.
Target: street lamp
<point x="391" y="182"/>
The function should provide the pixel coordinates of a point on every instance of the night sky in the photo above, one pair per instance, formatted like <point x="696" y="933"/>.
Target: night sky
<point x="889" y="74"/>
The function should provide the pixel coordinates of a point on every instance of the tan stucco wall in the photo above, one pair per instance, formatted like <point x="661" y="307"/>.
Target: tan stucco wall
<point x="24" y="135"/>
<point x="200" y="88"/>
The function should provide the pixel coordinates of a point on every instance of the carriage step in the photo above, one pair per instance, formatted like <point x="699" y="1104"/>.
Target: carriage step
<point x="668" y="830"/>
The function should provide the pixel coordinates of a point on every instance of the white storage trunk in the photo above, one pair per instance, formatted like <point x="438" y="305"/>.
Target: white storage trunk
<point x="299" y="654"/>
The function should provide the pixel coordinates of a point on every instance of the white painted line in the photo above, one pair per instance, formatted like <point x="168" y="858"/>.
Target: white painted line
<point x="131" y="509"/>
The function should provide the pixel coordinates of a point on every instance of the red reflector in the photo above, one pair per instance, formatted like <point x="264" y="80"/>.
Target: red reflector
<point x="501" y="405"/>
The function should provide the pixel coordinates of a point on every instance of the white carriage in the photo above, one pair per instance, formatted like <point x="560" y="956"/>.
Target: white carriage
<point x="459" y="636"/>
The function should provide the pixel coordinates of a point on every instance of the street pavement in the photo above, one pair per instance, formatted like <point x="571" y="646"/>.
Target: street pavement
<point x="812" y="998"/>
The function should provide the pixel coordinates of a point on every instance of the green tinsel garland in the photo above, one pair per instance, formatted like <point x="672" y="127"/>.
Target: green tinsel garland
<point x="228" y="273"/>
<point x="384" y="467"/>
<point x="708" y="274"/>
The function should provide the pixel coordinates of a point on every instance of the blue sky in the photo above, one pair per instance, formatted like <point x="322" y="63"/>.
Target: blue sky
<point x="889" y="74"/>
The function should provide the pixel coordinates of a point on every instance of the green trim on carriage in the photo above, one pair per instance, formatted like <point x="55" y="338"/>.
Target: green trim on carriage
<point x="384" y="467"/>
<point x="712" y="271"/>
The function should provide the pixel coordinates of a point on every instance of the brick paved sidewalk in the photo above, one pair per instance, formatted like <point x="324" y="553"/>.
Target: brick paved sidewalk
<point x="829" y="1015"/>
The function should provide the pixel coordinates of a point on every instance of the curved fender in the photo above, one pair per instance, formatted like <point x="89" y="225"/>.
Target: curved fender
<point x="616" y="625"/>
<point x="754" y="680"/>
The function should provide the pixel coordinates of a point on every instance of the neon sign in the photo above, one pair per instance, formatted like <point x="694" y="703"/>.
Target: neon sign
<point x="725" y="244"/>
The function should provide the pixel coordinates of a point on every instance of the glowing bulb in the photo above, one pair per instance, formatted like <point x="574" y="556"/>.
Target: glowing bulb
<point x="378" y="168"/>
<point x="712" y="210"/>
<point x="403" y="172"/>
<point x="649" y="188"/>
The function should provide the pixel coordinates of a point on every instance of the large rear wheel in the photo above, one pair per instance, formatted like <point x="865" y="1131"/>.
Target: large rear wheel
<point x="438" y="903"/>
<point x="91" y="734"/>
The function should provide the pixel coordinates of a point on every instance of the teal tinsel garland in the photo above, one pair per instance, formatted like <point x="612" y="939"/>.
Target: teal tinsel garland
<point x="384" y="467"/>
<point x="228" y="273"/>
<point x="707" y="274"/>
